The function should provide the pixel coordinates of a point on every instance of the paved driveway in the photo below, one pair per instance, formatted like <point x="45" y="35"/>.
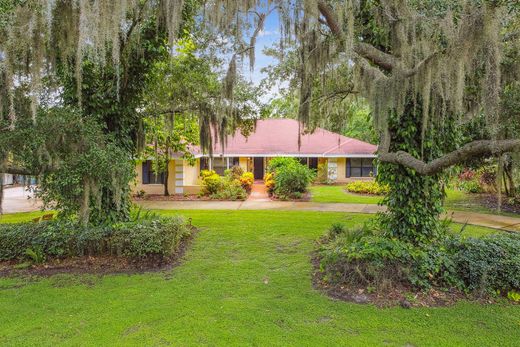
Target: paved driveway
<point x="18" y="199"/>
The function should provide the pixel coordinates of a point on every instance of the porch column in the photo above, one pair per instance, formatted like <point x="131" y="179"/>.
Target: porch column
<point x="179" y="176"/>
<point x="332" y="169"/>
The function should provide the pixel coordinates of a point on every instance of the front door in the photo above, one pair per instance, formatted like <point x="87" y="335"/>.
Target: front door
<point x="258" y="165"/>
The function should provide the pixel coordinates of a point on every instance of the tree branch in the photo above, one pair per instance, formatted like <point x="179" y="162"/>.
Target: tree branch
<point x="473" y="149"/>
<point x="15" y="170"/>
<point x="383" y="60"/>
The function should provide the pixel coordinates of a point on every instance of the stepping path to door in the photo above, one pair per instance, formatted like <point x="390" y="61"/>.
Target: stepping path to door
<point x="258" y="192"/>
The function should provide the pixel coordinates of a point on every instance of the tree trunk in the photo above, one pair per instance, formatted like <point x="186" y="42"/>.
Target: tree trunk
<point x="414" y="202"/>
<point x="500" y="178"/>
<point x="508" y="172"/>
<point x="166" y="176"/>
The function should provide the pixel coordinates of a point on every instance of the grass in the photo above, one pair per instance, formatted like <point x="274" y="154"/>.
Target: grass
<point x="21" y="217"/>
<point x="324" y="194"/>
<point x="455" y="200"/>
<point x="245" y="281"/>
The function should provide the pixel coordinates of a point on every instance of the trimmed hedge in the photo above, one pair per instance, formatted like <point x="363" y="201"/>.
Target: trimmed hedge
<point x="154" y="238"/>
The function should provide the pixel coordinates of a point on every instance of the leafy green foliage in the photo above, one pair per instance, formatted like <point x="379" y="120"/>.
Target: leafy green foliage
<point x="211" y="182"/>
<point x="291" y="178"/>
<point x="141" y="239"/>
<point x="489" y="263"/>
<point x="367" y="187"/>
<point x="222" y="188"/>
<point x="232" y="256"/>
<point x="415" y="201"/>
<point x="365" y="257"/>
<point x="246" y="180"/>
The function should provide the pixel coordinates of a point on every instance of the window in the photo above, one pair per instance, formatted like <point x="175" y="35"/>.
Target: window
<point x="204" y="163"/>
<point x="360" y="167"/>
<point x="149" y="176"/>
<point x="219" y="165"/>
<point x="302" y="160"/>
<point x="313" y="163"/>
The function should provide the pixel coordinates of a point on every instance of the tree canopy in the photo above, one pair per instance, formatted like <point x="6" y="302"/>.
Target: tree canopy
<point x="425" y="63"/>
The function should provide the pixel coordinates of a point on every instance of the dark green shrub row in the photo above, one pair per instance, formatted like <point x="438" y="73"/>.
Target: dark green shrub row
<point x="488" y="263"/>
<point x="362" y="257"/>
<point x="152" y="238"/>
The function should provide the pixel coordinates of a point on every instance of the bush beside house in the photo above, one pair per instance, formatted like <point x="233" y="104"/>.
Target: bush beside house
<point x="234" y="185"/>
<point x="287" y="178"/>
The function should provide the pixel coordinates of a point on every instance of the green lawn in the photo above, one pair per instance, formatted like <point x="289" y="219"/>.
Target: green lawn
<point x="455" y="200"/>
<point x="245" y="281"/>
<point x="322" y="193"/>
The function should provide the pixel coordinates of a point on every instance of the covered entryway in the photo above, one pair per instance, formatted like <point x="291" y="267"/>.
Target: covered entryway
<point x="258" y="168"/>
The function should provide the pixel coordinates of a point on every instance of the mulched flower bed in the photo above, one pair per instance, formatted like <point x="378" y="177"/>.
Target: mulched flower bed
<point x="305" y="198"/>
<point x="491" y="201"/>
<point x="364" y="194"/>
<point x="178" y="197"/>
<point x="403" y="296"/>
<point x="100" y="265"/>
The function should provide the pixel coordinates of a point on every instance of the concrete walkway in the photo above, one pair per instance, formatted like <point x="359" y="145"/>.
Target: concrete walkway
<point x="258" y="192"/>
<point x="486" y="220"/>
<point x="16" y="200"/>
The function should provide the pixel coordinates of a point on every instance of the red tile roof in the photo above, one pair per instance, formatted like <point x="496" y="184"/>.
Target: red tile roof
<point x="279" y="137"/>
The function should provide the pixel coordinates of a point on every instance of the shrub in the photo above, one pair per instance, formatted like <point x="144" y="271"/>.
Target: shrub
<point x="488" y="263"/>
<point x="367" y="187"/>
<point x="362" y="257"/>
<point x="222" y="188"/>
<point x="470" y="187"/>
<point x="230" y="190"/>
<point x="278" y="162"/>
<point x="235" y="172"/>
<point x="291" y="178"/>
<point x="150" y="238"/>
<point x="246" y="180"/>
<point x="474" y="182"/>
<point x="211" y="182"/>
<point x="269" y="182"/>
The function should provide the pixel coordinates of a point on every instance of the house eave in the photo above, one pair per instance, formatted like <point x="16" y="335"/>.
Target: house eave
<point x="297" y="155"/>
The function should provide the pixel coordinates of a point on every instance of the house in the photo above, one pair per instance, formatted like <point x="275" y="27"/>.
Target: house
<point x="346" y="158"/>
<point x="7" y="179"/>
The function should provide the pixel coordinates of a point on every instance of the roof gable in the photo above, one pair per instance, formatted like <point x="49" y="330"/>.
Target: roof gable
<point x="279" y="137"/>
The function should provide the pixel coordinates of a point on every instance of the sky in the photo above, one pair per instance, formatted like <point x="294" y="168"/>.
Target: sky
<point x="266" y="38"/>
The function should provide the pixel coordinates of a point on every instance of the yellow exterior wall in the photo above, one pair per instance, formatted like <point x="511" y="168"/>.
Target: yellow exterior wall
<point x="243" y="162"/>
<point x="342" y="171"/>
<point x="171" y="176"/>
<point x="191" y="173"/>
<point x="153" y="189"/>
